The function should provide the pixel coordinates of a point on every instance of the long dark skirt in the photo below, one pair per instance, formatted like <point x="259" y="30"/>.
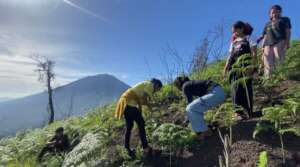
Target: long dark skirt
<point x="242" y="95"/>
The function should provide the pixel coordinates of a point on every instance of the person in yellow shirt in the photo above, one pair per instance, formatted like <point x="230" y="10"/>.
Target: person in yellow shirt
<point x="130" y="106"/>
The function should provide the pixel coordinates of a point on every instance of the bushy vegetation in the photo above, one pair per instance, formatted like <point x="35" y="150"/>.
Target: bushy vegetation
<point x="172" y="137"/>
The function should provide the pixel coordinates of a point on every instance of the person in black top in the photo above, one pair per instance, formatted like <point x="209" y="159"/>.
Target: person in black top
<point x="276" y="39"/>
<point x="201" y="96"/>
<point x="58" y="143"/>
<point x="242" y="93"/>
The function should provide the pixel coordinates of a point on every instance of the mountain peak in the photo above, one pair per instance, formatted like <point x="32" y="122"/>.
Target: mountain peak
<point x="75" y="98"/>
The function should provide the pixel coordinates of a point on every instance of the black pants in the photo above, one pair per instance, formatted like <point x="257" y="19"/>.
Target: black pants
<point x="51" y="149"/>
<point x="47" y="148"/>
<point x="133" y="114"/>
<point x="243" y="96"/>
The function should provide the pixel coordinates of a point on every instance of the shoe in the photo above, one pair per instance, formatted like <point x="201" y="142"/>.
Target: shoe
<point x="131" y="153"/>
<point x="241" y="117"/>
<point x="203" y="135"/>
<point x="150" y="152"/>
<point x="213" y="126"/>
<point x="184" y="154"/>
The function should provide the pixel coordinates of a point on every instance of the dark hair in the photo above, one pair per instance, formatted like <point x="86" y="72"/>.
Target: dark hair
<point x="59" y="130"/>
<point x="276" y="7"/>
<point x="156" y="82"/>
<point x="239" y="25"/>
<point x="246" y="27"/>
<point x="179" y="81"/>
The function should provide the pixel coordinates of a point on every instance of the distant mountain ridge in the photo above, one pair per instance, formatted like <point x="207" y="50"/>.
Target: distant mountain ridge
<point x="4" y="99"/>
<point x="75" y="98"/>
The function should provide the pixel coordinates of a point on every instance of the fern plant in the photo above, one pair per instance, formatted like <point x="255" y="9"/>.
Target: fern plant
<point x="172" y="138"/>
<point x="284" y="118"/>
<point x="263" y="159"/>
<point x="241" y="74"/>
<point x="225" y="115"/>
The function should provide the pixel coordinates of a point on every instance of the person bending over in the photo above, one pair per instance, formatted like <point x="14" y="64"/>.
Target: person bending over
<point x="201" y="96"/>
<point x="130" y="105"/>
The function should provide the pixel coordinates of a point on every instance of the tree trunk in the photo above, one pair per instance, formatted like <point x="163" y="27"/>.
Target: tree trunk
<point x="50" y="99"/>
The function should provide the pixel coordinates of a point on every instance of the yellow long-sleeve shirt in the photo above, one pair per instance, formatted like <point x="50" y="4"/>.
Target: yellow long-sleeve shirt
<point x="137" y="96"/>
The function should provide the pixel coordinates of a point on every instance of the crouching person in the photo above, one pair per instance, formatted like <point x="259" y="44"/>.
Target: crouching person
<point x="130" y="105"/>
<point x="208" y="95"/>
<point x="59" y="143"/>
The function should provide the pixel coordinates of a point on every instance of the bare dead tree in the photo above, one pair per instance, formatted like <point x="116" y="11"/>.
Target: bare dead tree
<point x="217" y="41"/>
<point x="71" y="107"/>
<point x="200" y="57"/>
<point x="174" y="63"/>
<point x="46" y="75"/>
<point x="150" y="75"/>
<point x="210" y="48"/>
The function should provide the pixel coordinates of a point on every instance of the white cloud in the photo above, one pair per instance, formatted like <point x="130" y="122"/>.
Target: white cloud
<point x="17" y="76"/>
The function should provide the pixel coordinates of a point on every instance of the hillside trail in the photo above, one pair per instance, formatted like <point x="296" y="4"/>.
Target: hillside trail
<point x="245" y="150"/>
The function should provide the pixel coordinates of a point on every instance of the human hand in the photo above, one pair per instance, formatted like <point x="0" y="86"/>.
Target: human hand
<point x="287" y="45"/>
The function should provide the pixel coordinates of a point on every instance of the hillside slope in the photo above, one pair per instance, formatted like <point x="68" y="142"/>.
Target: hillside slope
<point x="102" y="135"/>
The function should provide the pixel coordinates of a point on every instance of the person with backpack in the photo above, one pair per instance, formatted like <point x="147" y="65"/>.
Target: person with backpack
<point x="130" y="106"/>
<point x="207" y="94"/>
<point x="276" y="39"/>
<point x="253" y="43"/>
<point x="241" y="84"/>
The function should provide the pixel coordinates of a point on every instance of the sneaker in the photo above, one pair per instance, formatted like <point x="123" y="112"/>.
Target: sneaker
<point x="131" y="153"/>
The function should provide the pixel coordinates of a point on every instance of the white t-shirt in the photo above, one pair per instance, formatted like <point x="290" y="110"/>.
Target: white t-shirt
<point x="249" y="38"/>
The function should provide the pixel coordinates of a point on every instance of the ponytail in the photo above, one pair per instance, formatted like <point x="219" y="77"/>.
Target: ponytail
<point x="248" y="29"/>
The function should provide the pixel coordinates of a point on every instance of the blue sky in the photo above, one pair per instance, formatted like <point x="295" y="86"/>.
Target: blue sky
<point x="88" y="37"/>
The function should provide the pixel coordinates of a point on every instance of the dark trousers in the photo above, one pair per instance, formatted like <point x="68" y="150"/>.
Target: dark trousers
<point x="132" y="114"/>
<point x="47" y="148"/>
<point x="51" y="149"/>
<point x="243" y="96"/>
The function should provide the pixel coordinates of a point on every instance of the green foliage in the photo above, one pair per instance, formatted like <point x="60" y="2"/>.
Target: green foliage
<point x="263" y="159"/>
<point x="88" y="152"/>
<point x="172" y="137"/>
<point x="291" y="67"/>
<point x="284" y="118"/>
<point x="167" y="93"/>
<point x="224" y="114"/>
<point x="242" y="72"/>
<point x="262" y="127"/>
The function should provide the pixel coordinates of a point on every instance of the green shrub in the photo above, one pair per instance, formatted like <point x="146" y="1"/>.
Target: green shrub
<point x="172" y="138"/>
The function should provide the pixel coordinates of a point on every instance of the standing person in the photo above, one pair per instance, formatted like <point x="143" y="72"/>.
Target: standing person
<point x="276" y="39"/>
<point x="242" y="94"/>
<point x="208" y="94"/>
<point x="130" y="105"/>
<point x="252" y="42"/>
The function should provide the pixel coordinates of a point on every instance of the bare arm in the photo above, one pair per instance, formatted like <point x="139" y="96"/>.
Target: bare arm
<point x="147" y="99"/>
<point x="226" y="66"/>
<point x="254" y="53"/>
